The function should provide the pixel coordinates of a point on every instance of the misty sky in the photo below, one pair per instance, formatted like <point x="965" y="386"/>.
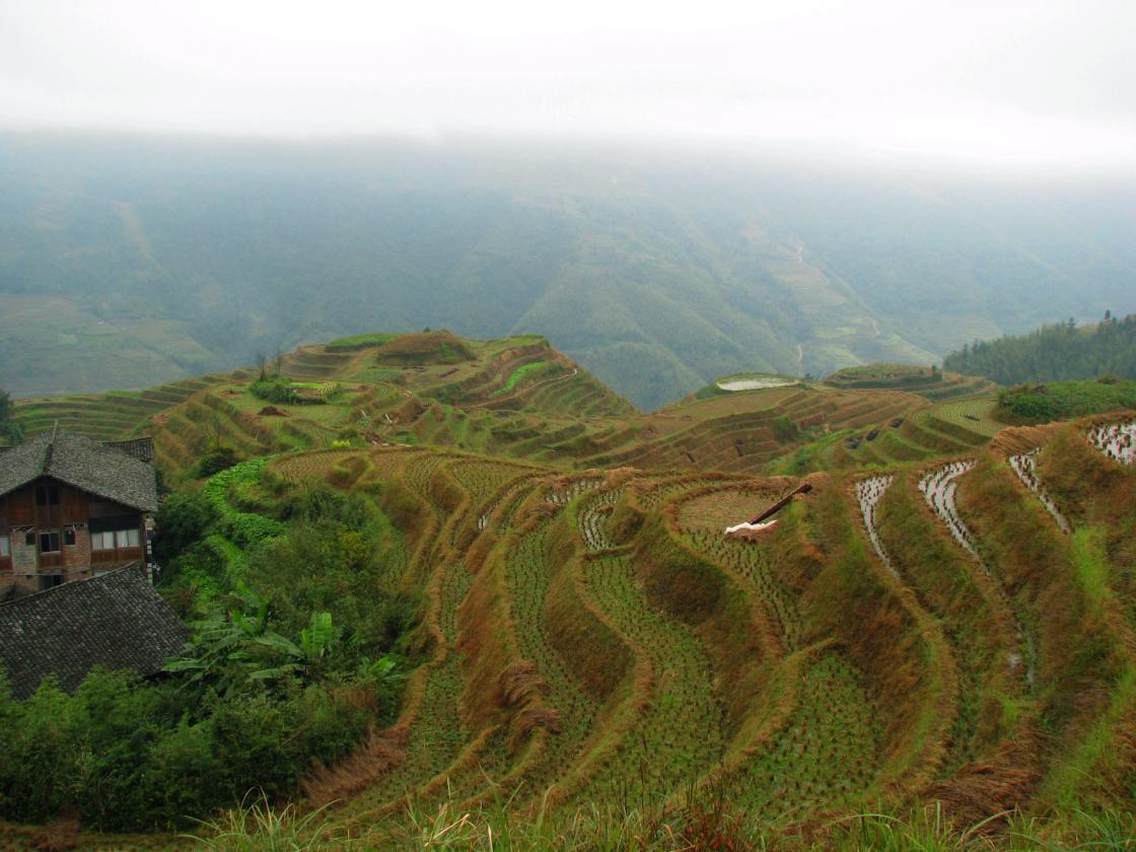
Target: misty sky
<point x="1048" y="83"/>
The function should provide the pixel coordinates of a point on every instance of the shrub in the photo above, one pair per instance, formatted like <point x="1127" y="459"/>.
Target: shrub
<point x="128" y="755"/>
<point x="1038" y="403"/>
<point x="275" y="389"/>
<point x="181" y="521"/>
<point x="360" y="341"/>
<point x="42" y="767"/>
<point x="215" y="460"/>
<point x="181" y="768"/>
<point x="785" y="430"/>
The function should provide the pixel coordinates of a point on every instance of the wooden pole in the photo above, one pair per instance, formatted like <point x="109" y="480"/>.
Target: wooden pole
<point x="803" y="488"/>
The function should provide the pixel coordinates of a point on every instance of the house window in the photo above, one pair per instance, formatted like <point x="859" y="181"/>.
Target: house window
<point x="47" y="495"/>
<point x="5" y="547"/>
<point x="50" y="581"/>
<point x="29" y="538"/>
<point x="112" y="539"/>
<point x="49" y="542"/>
<point x="69" y="537"/>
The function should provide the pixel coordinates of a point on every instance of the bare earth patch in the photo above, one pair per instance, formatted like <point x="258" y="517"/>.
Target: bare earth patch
<point x="722" y="509"/>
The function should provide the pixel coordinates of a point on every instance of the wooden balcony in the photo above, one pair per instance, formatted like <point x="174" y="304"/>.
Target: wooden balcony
<point x="50" y="560"/>
<point x="117" y="554"/>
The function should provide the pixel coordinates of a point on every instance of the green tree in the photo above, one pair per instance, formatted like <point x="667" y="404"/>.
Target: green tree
<point x="8" y="427"/>
<point x="182" y="520"/>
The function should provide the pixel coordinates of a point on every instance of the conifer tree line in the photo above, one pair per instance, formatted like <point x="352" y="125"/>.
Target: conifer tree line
<point x="1054" y="352"/>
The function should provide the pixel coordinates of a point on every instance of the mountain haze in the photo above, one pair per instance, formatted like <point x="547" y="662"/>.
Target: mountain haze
<point x="131" y="260"/>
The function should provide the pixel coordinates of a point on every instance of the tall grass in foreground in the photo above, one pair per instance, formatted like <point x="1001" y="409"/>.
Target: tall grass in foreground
<point x="259" y="826"/>
<point x="702" y="824"/>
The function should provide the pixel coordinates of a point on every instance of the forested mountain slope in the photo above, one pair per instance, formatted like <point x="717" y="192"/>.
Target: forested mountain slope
<point x="1054" y="352"/>
<point x="130" y="261"/>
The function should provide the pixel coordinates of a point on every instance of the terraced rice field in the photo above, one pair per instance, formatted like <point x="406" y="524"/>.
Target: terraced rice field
<point x="745" y="560"/>
<point x="107" y="416"/>
<point x="1116" y="440"/>
<point x="589" y="635"/>
<point x="868" y="494"/>
<point x="1025" y="466"/>
<point x="436" y="735"/>
<point x="725" y="507"/>
<point x="946" y="428"/>
<point x="528" y="580"/>
<point x="826" y="757"/>
<point x="677" y="736"/>
<point x="939" y="488"/>
<point x="517" y="398"/>
<point x="973" y="414"/>
<point x="593" y="518"/>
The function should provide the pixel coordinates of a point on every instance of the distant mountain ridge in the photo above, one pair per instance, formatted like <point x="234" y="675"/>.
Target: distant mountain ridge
<point x="131" y="261"/>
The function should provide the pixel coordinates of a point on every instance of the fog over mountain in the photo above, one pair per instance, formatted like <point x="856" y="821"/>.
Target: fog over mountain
<point x="130" y="259"/>
<point x="1013" y="85"/>
<point x="667" y="193"/>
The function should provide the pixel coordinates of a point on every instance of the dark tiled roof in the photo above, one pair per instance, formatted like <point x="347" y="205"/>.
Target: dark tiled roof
<point x="141" y="448"/>
<point x="98" y="469"/>
<point x="118" y="621"/>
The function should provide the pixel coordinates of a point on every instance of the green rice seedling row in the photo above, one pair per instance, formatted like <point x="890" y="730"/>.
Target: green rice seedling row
<point x="826" y="757"/>
<point x="678" y="738"/>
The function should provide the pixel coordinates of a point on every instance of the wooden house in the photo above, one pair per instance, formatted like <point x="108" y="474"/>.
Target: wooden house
<point x="73" y="508"/>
